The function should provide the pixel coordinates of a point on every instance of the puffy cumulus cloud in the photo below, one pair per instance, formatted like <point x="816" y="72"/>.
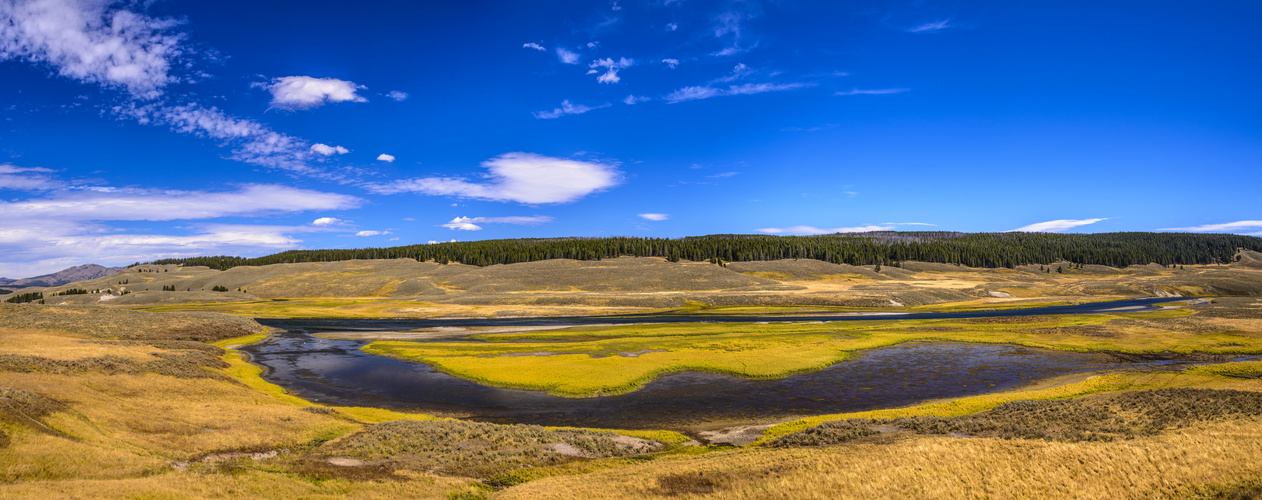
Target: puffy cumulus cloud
<point x="566" y="56"/>
<point x="1055" y="226"/>
<point x="13" y="177"/>
<point x="328" y="221"/>
<point x="567" y="108"/>
<point x="670" y="62"/>
<point x="816" y="230"/>
<point x="385" y="157"/>
<point x="705" y="92"/>
<point x="397" y="95"/>
<point x="519" y="177"/>
<point x="1251" y="226"/>
<point x="372" y="233"/>
<point x="654" y="217"/>
<point x="93" y="41"/>
<point x="71" y="227"/>
<point x="611" y="68"/>
<point x="471" y="223"/>
<point x="533" y="45"/>
<point x="327" y="150"/>
<point x="305" y="92"/>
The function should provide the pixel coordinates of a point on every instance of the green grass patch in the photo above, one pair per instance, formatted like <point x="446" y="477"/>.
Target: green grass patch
<point x="592" y="361"/>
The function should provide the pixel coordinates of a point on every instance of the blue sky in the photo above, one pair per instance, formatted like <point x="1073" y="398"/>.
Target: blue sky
<point x="131" y="131"/>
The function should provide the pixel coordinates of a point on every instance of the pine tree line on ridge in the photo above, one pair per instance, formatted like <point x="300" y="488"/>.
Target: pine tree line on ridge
<point x="991" y="250"/>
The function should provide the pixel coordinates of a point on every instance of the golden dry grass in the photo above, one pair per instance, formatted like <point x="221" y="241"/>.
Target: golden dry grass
<point x="1164" y="466"/>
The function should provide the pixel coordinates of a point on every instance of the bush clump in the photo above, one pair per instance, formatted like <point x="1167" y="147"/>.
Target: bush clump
<point x="476" y="449"/>
<point x="1122" y="416"/>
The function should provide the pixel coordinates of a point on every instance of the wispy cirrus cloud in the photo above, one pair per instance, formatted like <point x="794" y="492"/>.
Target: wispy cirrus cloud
<point x="1243" y="226"/>
<point x="931" y="27"/>
<point x="871" y="91"/>
<point x="306" y="92"/>
<point x="518" y="177"/>
<point x="471" y="223"/>
<point x="533" y="45"/>
<point x="567" y="108"/>
<point x="812" y="230"/>
<point x="13" y="177"/>
<point x="1055" y="226"/>
<point x="654" y="217"/>
<point x="705" y="92"/>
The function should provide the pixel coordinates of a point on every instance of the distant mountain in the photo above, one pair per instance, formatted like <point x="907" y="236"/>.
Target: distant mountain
<point x="70" y="275"/>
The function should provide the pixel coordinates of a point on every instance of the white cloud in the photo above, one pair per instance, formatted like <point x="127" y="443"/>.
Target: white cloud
<point x="17" y="178"/>
<point x="816" y="230"/>
<point x="252" y="142"/>
<point x="397" y="95"/>
<point x="611" y="68"/>
<point x="870" y="91"/>
<point x="372" y="233"/>
<point x="671" y="26"/>
<point x="656" y="217"/>
<point x="739" y="71"/>
<point x="471" y="223"/>
<point x="932" y="27"/>
<point x="567" y="108"/>
<point x="520" y="177"/>
<point x="327" y="221"/>
<point x="671" y="62"/>
<point x="144" y="205"/>
<point x="385" y="157"/>
<point x="705" y="92"/>
<point x="103" y="42"/>
<point x="93" y="41"/>
<point x="327" y="150"/>
<point x="566" y="56"/>
<point x="1229" y="227"/>
<point x="305" y="92"/>
<point x="632" y="99"/>
<point x="1055" y="226"/>
<point x="533" y="45"/>
<point x="69" y="228"/>
<point x="723" y="175"/>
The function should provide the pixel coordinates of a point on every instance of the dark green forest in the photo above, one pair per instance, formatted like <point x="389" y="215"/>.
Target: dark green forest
<point x="886" y="248"/>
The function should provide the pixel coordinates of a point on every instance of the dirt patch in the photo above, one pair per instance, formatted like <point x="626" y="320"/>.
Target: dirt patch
<point x="734" y="436"/>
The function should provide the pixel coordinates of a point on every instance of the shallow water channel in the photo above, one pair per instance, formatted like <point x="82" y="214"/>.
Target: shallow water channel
<point x="334" y="371"/>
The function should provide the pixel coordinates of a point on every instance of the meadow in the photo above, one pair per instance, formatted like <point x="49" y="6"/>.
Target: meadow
<point x="101" y="400"/>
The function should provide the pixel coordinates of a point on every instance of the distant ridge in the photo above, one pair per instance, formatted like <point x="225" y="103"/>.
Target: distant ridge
<point x="991" y="250"/>
<point x="68" y="275"/>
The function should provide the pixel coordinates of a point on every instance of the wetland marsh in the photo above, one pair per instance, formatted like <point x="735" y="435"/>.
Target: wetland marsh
<point x="868" y="365"/>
